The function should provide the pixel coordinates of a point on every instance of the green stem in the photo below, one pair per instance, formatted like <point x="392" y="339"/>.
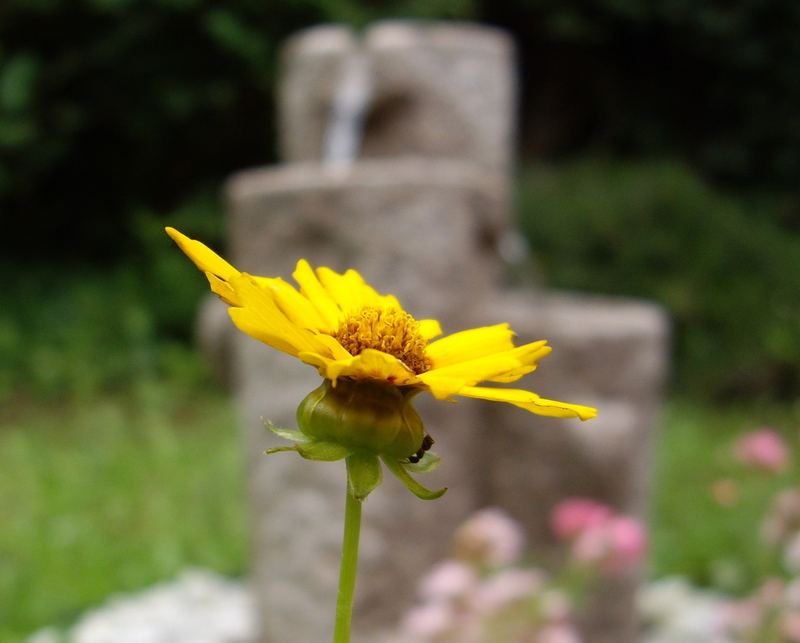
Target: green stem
<point x="347" y="571"/>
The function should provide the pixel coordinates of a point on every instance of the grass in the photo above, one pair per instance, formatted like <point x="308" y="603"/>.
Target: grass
<point x="111" y="495"/>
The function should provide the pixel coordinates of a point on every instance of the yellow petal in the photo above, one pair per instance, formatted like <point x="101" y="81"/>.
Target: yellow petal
<point x="429" y="328"/>
<point x="373" y="298"/>
<point x="203" y="257"/>
<point x="222" y="289"/>
<point x="530" y="402"/>
<point x="351" y="292"/>
<point x="263" y="318"/>
<point x="507" y="366"/>
<point x="316" y="294"/>
<point x="333" y="347"/>
<point x="371" y="364"/>
<point x="470" y="344"/>
<point x="315" y="359"/>
<point x="294" y="305"/>
<point x="346" y="290"/>
<point x="250" y="324"/>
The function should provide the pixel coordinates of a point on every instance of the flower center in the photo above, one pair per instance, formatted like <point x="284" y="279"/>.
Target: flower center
<point x="389" y="330"/>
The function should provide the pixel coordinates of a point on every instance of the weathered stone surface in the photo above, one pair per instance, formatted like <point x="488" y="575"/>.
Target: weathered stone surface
<point x="438" y="90"/>
<point x="608" y="353"/>
<point x="414" y="230"/>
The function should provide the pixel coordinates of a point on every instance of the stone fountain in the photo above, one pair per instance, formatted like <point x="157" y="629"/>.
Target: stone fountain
<point x="398" y="156"/>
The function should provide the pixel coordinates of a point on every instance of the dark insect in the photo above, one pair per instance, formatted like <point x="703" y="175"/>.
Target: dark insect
<point x="427" y="443"/>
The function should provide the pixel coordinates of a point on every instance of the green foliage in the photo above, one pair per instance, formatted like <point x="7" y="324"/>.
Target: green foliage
<point x="111" y="106"/>
<point x="116" y="115"/>
<point x="712" y="83"/>
<point x="112" y="495"/>
<point x="728" y="277"/>
<point x="73" y="333"/>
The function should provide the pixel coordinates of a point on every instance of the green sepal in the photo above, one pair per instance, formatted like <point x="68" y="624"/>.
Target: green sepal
<point x="324" y="451"/>
<point x="295" y="435"/>
<point x="427" y="463"/>
<point x="364" y="473"/>
<point x="399" y="470"/>
<point x="280" y="449"/>
<point x="367" y="415"/>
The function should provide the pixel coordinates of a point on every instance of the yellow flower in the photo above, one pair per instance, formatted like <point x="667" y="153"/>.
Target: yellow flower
<point x="339" y="324"/>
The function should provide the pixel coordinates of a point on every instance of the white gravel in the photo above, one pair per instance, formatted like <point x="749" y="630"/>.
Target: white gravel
<point x="198" y="607"/>
<point x="203" y="607"/>
<point x="672" y="611"/>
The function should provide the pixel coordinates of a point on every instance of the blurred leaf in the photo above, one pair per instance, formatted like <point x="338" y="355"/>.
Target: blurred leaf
<point x="18" y="77"/>
<point x="728" y="276"/>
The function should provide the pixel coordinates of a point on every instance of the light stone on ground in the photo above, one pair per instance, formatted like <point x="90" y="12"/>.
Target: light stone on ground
<point x="198" y="607"/>
<point x="202" y="607"/>
<point x="673" y="611"/>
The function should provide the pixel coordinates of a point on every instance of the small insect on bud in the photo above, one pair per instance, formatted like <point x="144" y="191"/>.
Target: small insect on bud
<point x="365" y="415"/>
<point x="427" y="443"/>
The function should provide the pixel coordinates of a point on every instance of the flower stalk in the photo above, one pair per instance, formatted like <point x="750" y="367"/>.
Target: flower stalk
<point x="348" y="568"/>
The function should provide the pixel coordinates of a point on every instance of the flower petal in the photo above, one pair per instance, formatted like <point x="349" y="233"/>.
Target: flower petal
<point x="260" y="317"/>
<point x="369" y="364"/>
<point x="530" y="402"/>
<point x="316" y="294"/>
<point x="507" y="366"/>
<point x="470" y="344"/>
<point x="351" y="292"/>
<point x="429" y="328"/>
<point x="346" y="290"/>
<point x="222" y="289"/>
<point x="294" y="305"/>
<point x="249" y="324"/>
<point x="203" y="257"/>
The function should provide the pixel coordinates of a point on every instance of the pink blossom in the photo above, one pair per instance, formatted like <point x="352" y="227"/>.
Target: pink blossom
<point x="592" y="546"/>
<point x="448" y="579"/>
<point x="791" y="627"/>
<point x="615" y="545"/>
<point x="506" y="587"/>
<point x="428" y="620"/>
<point x="629" y="541"/>
<point x="561" y="633"/>
<point x="741" y="616"/>
<point x="763" y="449"/>
<point x="556" y="605"/>
<point x="490" y="537"/>
<point x="770" y="594"/>
<point x="574" y="516"/>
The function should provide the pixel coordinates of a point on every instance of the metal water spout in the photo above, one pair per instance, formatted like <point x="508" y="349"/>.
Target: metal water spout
<point x="351" y="99"/>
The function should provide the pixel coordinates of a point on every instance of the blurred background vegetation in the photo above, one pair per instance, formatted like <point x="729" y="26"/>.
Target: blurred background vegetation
<point x="673" y="122"/>
<point x="660" y="157"/>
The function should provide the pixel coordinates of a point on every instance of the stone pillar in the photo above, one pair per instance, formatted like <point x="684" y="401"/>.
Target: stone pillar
<point x="413" y="229"/>
<point x="438" y="90"/>
<point x="609" y="353"/>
